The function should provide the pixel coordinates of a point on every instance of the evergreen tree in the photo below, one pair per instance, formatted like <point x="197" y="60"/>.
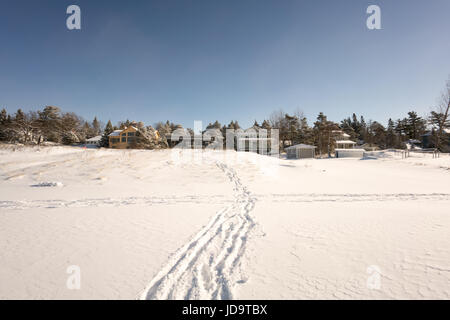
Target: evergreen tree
<point x="391" y="137"/>
<point x="215" y="125"/>
<point x="266" y="125"/>
<point x="292" y="131"/>
<point x="348" y="127"/>
<point x="415" y="125"/>
<point x="104" y="142"/>
<point x="439" y="121"/>
<point x="87" y="131"/>
<point x="3" y="125"/>
<point x="356" y="125"/>
<point x="323" y="133"/>
<point x="377" y="134"/>
<point x="362" y="129"/>
<point x="95" y="127"/>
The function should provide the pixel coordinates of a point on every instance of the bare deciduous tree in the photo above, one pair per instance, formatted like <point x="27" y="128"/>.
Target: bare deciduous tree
<point x="440" y="116"/>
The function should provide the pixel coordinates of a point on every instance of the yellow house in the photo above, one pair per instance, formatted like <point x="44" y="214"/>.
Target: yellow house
<point x="122" y="139"/>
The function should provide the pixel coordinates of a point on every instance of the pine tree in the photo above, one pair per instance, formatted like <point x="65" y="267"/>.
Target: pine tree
<point x="391" y="137"/>
<point x="362" y="129"/>
<point x="266" y="125"/>
<point x="378" y="134"/>
<point x="104" y="142"/>
<point x="3" y="125"/>
<point x="95" y="127"/>
<point x="348" y="127"/>
<point x="322" y="133"/>
<point x="356" y="125"/>
<point x="87" y="131"/>
<point x="215" y="125"/>
<point x="415" y="125"/>
<point x="439" y="122"/>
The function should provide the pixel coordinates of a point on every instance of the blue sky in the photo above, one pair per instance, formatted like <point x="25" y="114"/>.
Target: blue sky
<point x="224" y="59"/>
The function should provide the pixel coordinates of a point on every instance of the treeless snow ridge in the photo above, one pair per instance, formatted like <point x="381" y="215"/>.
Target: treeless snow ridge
<point x="222" y="225"/>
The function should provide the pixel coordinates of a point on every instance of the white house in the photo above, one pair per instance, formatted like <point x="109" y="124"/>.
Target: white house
<point x="345" y="144"/>
<point x="346" y="148"/>
<point x="95" y="141"/>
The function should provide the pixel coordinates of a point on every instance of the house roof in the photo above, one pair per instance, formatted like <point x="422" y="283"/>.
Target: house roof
<point x="345" y="142"/>
<point x="301" y="146"/>
<point x="115" y="133"/>
<point x="97" y="138"/>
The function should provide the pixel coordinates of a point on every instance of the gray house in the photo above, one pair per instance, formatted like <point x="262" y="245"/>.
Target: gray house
<point x="301" y="151"/>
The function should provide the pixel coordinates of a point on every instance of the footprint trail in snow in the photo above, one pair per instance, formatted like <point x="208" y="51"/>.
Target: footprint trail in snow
<point x="210" y="265"/>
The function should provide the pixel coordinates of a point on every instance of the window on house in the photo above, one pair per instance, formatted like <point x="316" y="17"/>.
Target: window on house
<point x="124" y="139"/>
<point x="131" y="134"/>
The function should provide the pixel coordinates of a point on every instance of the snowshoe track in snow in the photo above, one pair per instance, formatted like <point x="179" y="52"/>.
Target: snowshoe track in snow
<point x="209" y="266"/>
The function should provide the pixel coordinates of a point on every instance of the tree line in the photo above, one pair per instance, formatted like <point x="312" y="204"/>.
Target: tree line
<point x="52" y="125"/>
<point x="49" y="124"/>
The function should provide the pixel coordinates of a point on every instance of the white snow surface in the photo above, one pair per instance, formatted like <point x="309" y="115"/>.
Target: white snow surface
<point x="223" y="225"/>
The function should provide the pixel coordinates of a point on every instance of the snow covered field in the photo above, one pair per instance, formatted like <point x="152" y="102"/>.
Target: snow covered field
<point x="226" y="225"/>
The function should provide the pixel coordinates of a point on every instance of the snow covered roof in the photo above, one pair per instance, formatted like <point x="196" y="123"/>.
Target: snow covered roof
<point x="115" y="133"/>
<point x="95" y="139"/>
<point x="345" y="135"/>
<point x="345" y="142"/>
<point x="301" y="146"/>
<point x="447" y="131"/>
